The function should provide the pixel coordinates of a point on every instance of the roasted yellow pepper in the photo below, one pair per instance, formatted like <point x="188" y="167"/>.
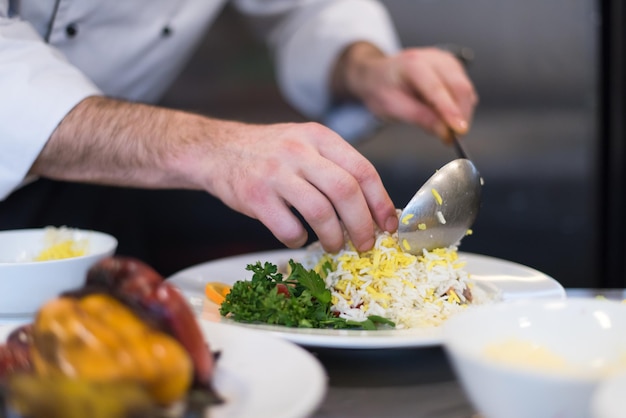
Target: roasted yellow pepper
<point x="63" y="397"/>
<point x="97" y="338"/>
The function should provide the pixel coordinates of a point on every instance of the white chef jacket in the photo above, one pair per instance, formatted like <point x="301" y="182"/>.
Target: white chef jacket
<point x="55" y="53"/>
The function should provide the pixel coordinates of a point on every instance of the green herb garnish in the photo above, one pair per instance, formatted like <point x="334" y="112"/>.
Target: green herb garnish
<point x="300" y="300"/>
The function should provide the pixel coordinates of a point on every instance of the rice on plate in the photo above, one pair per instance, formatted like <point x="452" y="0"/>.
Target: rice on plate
<point x="412" y="291"/>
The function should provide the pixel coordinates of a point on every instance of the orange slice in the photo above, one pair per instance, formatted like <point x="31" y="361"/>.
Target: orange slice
<point x="216" y="292"/>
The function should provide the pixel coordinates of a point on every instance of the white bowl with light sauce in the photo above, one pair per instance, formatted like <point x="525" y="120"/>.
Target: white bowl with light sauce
<point x="37" y="265"/>
<point x="608" y="399"/>
<point x="536" y="359"/>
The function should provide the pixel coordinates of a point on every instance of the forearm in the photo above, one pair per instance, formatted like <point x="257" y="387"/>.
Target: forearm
<point x="106" y="141"/>
<point x="352" y="70"/>
<point x="259" y="170"/>
<point x="307" y="42"/>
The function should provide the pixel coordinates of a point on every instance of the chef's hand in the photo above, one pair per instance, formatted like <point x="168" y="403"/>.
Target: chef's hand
<point x="260" y="170"/>
<point x="263" y="170"/>
<point x="424" y="86"/>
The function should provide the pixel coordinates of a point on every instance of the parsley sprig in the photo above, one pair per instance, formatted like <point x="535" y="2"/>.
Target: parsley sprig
<point x="300" y="300"/>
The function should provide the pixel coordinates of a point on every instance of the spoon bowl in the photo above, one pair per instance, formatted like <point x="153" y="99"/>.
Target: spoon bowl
<point x="443" y="210"/>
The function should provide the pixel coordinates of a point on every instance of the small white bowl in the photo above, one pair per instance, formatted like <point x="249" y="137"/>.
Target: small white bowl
<point x="608" y="399"/>
<point x="552" y="355"/>
<point x="25" y="285"/>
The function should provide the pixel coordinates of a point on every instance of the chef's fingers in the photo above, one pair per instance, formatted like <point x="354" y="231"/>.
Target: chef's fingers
<point x="368" y="185"/>
<point x="439" y="86"/>
<point x="406" y="107"/>
<point x="320" y="213"/>
<point x="312" y="169"/>
<point x="458" y="84"/>
<point x="345" y="199"/>
<point x="273" y="212"/>
<point x="321" y="193"/>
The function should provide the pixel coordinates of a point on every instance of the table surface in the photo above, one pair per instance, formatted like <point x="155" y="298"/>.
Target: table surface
<point x="398" y="383"/>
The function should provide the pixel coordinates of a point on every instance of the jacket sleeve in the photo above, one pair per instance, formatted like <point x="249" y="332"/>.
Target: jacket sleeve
<point x="306" y="38"/>
<point x="39" y="87"/>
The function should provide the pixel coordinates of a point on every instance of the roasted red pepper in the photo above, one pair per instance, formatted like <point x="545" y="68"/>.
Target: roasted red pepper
<point x="158" y="305"/>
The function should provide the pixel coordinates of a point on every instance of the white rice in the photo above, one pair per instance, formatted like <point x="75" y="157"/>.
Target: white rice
<point x="411" y="291"/>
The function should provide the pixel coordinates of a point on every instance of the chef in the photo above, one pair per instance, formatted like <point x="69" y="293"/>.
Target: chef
<point x="80" y="80"/>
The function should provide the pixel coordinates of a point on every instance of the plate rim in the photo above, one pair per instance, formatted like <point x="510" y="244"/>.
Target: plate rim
<point x="309" y="368"/>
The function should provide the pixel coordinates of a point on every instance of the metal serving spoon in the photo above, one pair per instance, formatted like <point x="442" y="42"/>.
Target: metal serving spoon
<point x="444" y="209"/>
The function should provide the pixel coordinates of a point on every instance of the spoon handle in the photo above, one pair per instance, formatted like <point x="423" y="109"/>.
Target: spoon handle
<point x="457" y="146"/>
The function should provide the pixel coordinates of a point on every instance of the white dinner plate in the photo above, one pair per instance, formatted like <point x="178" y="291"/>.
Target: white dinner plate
<point x="512" y="280"/>
<point x="256" y="374"/>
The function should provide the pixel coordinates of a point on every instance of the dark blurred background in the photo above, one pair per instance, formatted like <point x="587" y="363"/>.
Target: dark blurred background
<point x="547" y="74"/>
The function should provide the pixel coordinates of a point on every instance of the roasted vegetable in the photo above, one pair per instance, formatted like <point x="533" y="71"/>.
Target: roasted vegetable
<point x="126" y="328"/>
<point x="157" y="300"/>
<point x="34" y="396"/>
<point x="15" y="354"/>
<point x="98" y="339"/>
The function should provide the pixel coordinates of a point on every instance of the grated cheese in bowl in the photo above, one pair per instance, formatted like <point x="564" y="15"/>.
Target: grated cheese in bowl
<point x="40" y="263"/>
<point x="412" y="291"/>
<point x="60" y="243"/>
